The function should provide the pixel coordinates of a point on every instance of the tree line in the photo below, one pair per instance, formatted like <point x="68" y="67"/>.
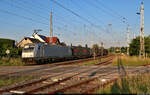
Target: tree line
<point x="134" y="47"/>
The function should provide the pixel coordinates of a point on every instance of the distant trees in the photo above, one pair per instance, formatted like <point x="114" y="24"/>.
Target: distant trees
<point x="63" y="44"/>
<point x="118" y="50"/>
<point x="135" y="46"/>
<point x="95" y="48"/>
<point x="79" y="46"/>
<point x="86" y="45"/>
<point x="123" y="49"/>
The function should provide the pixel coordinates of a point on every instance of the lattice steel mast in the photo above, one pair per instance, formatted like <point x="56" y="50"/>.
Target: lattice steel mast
<point x="128" y="39"/>
<point x="51" y="28"/>
<point x="142" y="48"/>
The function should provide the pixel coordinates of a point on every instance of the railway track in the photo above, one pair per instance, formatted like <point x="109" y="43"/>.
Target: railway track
<point x="91" y="90"/>
<point x="47" y="66"/>
<point x="76" y="88"/>
<point x="81" y="60"/>
<point x="41" y="80"/>
<point x="71" y="83"/>
<point x="89" y="86"/>
<point x="108" y="61"/>
<point x="31" y="84"/>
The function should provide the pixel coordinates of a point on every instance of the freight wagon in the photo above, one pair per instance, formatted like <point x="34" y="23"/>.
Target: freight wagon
<point x="81" y="52"/>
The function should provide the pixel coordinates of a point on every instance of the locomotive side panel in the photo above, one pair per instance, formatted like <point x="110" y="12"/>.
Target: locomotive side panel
<point x="56" y="51"/>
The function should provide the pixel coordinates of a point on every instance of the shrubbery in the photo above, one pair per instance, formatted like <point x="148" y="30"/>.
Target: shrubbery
<point x="10" y="45"/>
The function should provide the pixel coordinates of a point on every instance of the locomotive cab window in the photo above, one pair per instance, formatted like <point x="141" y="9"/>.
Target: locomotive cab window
<point x="28" y="48"/>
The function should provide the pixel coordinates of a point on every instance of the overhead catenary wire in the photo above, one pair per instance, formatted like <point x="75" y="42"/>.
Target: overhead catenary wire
<point x="74" y="13"/>
<point x="116" y="14"/>
<point x="58" y="22"/>
<point x="90" y="15"/>
<point x="108" y="8"/>
<point x="44" y="7"/>
<point x="39" y="7"/>
<point x="21" y="16"/>
<point x="100" y="21"/>
<point x="25" y="9"/>
<point x="122" y="18"/>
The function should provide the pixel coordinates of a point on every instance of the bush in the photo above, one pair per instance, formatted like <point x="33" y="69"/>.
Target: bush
<point x="10" y="45"/>
<point x="5" y="61"/>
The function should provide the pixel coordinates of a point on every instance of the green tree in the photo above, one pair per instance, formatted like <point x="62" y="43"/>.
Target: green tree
<point x="86" y="45"/>
<point x="112" y="49"/>
<point x="147" y="45"/>
<point x="123" y="49"/>
<point x="135" y="46"/>
<point x="95" y="48"/>
<point x="63" y="44"/>
<point x="79" y="46"/>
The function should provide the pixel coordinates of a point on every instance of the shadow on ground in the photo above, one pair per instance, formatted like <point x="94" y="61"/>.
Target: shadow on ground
<point x="121" y="87"/>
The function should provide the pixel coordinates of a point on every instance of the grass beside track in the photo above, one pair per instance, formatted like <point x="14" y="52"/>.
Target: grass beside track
<point x="94" y="61"/>
<point x="131" y="61"/>
<point x="5" y="61"/>
<point x="6" y="82"/>
<point x="130" y="85"/>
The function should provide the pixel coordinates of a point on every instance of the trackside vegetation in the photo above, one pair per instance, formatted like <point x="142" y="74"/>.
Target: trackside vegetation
<point x="8" y="44"/>
<point x="5" y="82"/>
<point x="131" y="61"/>
<point x="93" y="62"/>
<point x="7" y="61"/>
<point x="139" y="84"/>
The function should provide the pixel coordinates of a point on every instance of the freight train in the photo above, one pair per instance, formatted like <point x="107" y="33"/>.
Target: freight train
<point x="39" y="52"/>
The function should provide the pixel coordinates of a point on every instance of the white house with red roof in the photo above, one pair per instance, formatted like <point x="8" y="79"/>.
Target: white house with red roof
<point x="41" y="38"/>
<point x="45" y="39"/>
<point x="36" y="38"/>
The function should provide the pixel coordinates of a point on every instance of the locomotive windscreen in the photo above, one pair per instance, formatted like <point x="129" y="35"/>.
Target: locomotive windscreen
<point x="28" y="48"/>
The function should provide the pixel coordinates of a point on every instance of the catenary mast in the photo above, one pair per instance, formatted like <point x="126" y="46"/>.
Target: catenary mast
<point x="51" y="29"/>
<point x="142" y="48"/>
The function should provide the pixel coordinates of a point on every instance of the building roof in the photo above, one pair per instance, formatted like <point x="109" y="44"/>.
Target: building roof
<point x="54" y="40"/>
<point x="46" y="39"/>
<point x="24" y="41"/>
<point x="32" y="39"/>
<point x="43" y="37"/>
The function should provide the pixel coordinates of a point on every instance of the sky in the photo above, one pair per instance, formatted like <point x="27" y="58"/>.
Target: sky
<point x="74" y="21"/>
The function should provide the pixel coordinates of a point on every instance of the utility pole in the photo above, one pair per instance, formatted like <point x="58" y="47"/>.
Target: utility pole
<point x="102" y="47"/>
<point x="51" y="29"/>
<point x="128" y="39"/>
<point x="134" y="36"/>
<point x="142" y="48"/>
